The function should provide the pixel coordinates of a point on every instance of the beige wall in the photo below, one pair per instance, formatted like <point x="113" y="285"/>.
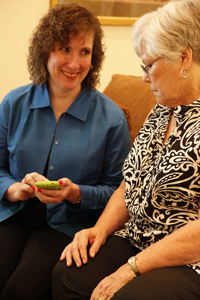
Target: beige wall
<point x="120" y="56"/>
<point x="18" y="18"/>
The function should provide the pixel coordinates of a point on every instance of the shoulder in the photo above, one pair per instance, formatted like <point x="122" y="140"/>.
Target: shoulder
<point x="18" y="101"/>
<point x="117" y="114"/>
<point x="109" y="105"/>
<point x="18" y="94"/>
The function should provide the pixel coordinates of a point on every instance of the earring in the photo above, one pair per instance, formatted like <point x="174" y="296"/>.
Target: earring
<point x="186" y="75"/>
<point x="91" y="67"/>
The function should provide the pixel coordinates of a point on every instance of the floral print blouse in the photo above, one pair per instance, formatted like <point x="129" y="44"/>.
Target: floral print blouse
<point x="162" y="182"/>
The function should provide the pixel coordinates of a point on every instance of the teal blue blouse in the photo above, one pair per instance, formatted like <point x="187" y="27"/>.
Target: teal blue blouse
<point x="88" y="145"/>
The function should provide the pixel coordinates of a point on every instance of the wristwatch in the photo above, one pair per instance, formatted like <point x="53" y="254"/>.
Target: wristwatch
<point x="132" y="264"/>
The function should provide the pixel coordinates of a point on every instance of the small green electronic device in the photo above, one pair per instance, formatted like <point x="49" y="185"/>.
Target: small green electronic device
<point x="48" y="185"/>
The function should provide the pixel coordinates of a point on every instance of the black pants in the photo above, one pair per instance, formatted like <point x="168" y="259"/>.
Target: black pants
<point x="29" y="250"/>
<point x="165" y="284"/>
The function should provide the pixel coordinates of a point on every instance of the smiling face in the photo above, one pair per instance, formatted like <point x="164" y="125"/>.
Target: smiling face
<point x="70" y="63"/>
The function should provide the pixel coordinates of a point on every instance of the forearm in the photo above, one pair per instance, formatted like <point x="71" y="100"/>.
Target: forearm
<point x="113" y="217"/>
<point x="182" y="247"/>
<point x="115" y="214"/>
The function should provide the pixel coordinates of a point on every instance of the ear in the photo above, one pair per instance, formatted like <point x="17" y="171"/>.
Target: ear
<point x="186" y="58"/>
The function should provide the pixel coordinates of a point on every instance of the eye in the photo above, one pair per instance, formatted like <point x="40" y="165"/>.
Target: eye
<point x="64" y="49"/>
<point x="85" y="52"/>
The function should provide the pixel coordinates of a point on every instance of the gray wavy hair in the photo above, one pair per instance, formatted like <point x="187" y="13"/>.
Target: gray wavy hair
<point x="169" y="30"/>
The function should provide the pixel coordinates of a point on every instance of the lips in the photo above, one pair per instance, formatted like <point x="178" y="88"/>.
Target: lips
<point x="154" y="90"/>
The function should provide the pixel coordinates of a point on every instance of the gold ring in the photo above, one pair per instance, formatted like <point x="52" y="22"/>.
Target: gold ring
<point x="100" y="298"/>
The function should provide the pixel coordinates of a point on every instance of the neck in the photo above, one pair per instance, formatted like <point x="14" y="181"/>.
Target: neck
<point x="62" y="101"/>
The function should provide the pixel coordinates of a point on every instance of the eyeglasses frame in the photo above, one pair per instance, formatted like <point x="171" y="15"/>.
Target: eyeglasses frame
<point x="145" y="69"/>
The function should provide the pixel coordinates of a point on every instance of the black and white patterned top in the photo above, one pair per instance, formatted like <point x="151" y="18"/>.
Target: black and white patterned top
<point x="162" y="183"/>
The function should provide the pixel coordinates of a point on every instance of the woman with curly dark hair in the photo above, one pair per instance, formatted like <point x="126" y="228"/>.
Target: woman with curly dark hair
<point x="62" y="27"/>
<point x="58" y="128"/>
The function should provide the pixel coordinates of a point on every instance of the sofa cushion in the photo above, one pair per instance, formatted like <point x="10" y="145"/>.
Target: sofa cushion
<point x="132" y="95"/>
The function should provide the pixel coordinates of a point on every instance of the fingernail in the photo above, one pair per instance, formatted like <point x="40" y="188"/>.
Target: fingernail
<point x="60" y="181"/>
<point x="39" y="190"/>
<point x="34" y="187"/>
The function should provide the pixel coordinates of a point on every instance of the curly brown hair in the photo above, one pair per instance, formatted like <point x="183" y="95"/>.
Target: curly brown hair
<point x="60" y="24"/>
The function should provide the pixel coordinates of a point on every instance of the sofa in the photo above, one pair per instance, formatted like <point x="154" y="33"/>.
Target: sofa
<point x="134" y="97"/>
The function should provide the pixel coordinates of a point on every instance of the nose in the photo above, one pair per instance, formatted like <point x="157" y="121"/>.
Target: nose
<point x="146" y="78"/>
<point x="73" y="61"/>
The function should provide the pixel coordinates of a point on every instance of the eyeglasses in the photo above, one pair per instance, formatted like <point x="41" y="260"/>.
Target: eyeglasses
<point x="146" y="69"/>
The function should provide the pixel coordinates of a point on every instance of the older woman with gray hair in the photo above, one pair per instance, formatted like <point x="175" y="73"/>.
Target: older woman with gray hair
<point x="155" y="251"/>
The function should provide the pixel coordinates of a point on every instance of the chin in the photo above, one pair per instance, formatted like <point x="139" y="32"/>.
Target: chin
<point x="161" y="100"/>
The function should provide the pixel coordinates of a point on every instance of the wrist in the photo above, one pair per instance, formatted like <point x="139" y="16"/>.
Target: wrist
<point x="129" y="271"/>
<point x="14" y="194"/>
<point x="79" y="200"/>
<point x="133" y="266"/>
<point x="77" y="195"/>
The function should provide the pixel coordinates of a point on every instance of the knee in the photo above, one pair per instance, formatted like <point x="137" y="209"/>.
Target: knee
<point x="58" y="272"/>
<point x="69" y="281"/>
<point x="58" y="286"/>
<point x="19" y="290"/>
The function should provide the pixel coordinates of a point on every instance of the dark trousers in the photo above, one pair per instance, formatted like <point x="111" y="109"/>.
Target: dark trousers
<point x="78" y="283"/>
<point x="29" y="250"/>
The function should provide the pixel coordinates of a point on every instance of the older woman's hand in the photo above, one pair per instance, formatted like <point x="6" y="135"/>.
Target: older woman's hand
<point x="77" y="249"/>
<point x="113" y="283"/>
